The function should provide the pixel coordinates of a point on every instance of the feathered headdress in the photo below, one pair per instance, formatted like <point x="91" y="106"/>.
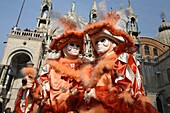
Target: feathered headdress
<point x="67" y="28"/>
<point x="112" y="25"/>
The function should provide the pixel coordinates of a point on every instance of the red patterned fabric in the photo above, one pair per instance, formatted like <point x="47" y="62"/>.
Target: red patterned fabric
<point x="120" y="95"/>
<point x="18" y="109"/>
<point x="26" y="99"/>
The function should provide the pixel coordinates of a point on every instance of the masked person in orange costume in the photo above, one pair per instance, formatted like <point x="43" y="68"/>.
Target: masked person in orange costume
<point x="114" y="84"/>
<point x="25" y="101"/>
<point x="61" y="75"/>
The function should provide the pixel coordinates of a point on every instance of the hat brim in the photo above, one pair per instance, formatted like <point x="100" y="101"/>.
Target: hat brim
<point x="97" y="30"/>
<point x="106" y="34"/>
<point x="72" y="36"/>
<point x="94" y="28"/>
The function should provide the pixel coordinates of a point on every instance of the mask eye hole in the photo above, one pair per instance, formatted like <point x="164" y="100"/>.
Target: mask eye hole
<point x="96" y="42"/>
<point x="71" y="44"/>
<point x="30" y="77"/>
<point x="77" y="45"/>
<point x="102" y="40"/>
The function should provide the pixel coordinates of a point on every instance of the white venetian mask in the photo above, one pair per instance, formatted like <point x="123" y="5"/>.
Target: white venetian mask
<point x="102" y="45"/>
<point x="72" y="49"/>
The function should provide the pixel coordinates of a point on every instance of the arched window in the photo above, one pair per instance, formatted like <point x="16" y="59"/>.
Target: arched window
<point x="147" y="51"/>
<point x="155" y="51"/>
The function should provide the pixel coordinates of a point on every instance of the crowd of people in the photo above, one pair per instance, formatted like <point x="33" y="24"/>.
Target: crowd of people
<point x="110" y="84"/>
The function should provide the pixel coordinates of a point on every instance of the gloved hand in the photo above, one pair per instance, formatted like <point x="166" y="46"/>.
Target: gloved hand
<point x="76" y="90"/>
<point x="89" y="94"/>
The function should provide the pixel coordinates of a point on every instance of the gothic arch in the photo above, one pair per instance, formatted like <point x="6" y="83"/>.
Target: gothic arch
<point x="16" y="52"/>
<point x="16" y="60"/>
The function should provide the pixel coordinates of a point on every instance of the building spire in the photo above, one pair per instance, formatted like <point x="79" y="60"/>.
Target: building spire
<point x="94" y="7"/>
<point x="93" y="12"/>
<point x="130" y="8"/>
<point x="73" y="7"/>
<point x="121" y="7"/>
<point x="129" y="5"/>
<point x="132" y="25"/>
<point x="162" y="15"/>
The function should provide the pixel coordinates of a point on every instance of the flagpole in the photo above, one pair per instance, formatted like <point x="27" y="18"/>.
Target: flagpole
<point x="20" y="13"/>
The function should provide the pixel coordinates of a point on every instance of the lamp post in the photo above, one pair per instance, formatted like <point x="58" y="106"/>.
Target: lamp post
<point x="20" y="14"/>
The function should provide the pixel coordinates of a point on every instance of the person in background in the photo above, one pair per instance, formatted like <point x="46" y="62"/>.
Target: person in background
<point x="25" y="102"/>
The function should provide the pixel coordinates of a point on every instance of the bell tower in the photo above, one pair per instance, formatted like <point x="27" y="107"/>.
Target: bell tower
<point x="42" y="26"/>
<point x="23" y="46"/>
<point x="93" y="12"/>
<point x="44" y="19"/>
<point x="132" y="25"/>
<point x="132" y="29"/>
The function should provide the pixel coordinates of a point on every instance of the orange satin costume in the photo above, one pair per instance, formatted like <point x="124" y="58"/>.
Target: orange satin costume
<point x="62" y="75"/>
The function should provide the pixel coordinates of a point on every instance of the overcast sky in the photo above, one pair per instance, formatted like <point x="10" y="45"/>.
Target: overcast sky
<point x="147" y="11"/>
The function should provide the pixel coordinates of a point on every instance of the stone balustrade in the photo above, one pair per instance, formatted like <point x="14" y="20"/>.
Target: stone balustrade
<point x="27" y="33"/>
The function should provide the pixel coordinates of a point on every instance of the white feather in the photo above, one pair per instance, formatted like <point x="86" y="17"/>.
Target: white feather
<point x="122" y="22"/>
<point x="55" y="28"/>
<point x="102" y="10"/>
